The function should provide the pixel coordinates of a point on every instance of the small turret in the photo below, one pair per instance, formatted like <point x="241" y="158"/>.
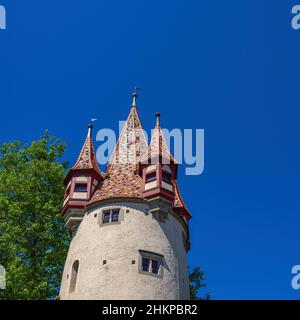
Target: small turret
<point x="159" y="169"/>
<point x="80" y="184"/>
<point x="159" y="174"/>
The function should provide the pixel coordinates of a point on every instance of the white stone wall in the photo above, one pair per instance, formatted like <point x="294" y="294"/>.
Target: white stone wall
<point x="119" y="244"/>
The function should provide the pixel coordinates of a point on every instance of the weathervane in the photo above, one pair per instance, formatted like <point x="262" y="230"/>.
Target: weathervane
<point x="136" y="88"/>
<point x="90" y="126"/>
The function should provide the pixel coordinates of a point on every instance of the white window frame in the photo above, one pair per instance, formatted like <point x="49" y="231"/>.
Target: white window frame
<point x="111" y="209"/>
<point x="151" y="256"/>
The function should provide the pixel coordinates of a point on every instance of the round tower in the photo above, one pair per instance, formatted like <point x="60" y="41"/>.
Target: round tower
<point x="129" y="226"/>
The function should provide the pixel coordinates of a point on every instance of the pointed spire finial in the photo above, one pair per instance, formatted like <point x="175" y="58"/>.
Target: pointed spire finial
<point x="135" y="95"/>
<point x="157" y="119"/>
<point x="90" y="126"/>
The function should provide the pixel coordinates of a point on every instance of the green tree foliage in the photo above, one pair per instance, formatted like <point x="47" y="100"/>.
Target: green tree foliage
<point x="197" y="281"/>
<point x="33" y="239"/>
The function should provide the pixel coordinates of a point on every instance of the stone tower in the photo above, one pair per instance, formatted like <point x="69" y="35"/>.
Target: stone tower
<point x="129" y="226"/>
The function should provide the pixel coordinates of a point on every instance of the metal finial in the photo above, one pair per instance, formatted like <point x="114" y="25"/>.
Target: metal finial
<point x="90" y="126"/>
<point x="135" y="95"/>
<point x="157" y="118"/>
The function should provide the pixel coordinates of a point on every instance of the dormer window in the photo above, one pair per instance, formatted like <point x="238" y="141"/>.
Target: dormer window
<point x="166" y="177"/>
<point x="80" y="187"/>
<point x="151" y="177"/>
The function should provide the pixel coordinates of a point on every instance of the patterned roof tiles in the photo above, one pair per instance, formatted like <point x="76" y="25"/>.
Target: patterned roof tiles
<point x="122" y="179"/>
<point x="159" y="146"/>
<point x="87" y="158"/>
<point x="178" y="201"/>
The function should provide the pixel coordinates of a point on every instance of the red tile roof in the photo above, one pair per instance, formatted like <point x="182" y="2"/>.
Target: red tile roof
<point x="121" y="177"/>
<point x="159" y="146"/>
<point x="87" y="158"/>
<point x="178" y="201"/>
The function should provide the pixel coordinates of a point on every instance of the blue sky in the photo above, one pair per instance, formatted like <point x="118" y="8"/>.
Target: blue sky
<point x="230" y="67"/>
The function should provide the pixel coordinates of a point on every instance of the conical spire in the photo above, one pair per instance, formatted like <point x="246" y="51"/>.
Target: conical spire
<point x="158" y="149"/>
<point x="158" y="145"/>
<point x="87" y="158"/>
<point x="132" y="144"/>
<point x="121" y="178"/>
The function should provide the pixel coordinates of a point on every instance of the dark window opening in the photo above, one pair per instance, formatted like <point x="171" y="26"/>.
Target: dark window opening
<point x="106" y="216"/>
<point x="80" y="187"/>
<point x="150" y="265"/>
<point x="155" y="266"/>
<point x="166" y="177"/>
<point x="145" y="264"/>
<point x="151" y="177"/>
<point x="111" y="216"/>
<point x="115" y="216"/>
<point x="74" y="274"/>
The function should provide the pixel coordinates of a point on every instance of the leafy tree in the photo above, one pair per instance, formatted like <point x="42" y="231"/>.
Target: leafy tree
<point x="33" y="239"/>
<point x="197" y="281"/>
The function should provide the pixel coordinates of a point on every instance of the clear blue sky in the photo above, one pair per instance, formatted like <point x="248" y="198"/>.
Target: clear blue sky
<point x="230" y="67"/>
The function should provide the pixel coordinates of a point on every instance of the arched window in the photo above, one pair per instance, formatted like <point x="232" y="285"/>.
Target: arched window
<point x="74" y="274"/>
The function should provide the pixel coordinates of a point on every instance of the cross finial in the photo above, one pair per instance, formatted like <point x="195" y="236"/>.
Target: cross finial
<point x="134" y="95"/>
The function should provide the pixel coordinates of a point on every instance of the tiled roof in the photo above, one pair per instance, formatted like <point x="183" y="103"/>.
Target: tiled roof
<point x="159" y="146"/>
<point x="121" y="178"/>
<point x="87" y="158"/>
<point x="178" y="201"/>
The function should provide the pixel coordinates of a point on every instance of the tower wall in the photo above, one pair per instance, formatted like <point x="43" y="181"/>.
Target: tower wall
<point x="120" y="244"/>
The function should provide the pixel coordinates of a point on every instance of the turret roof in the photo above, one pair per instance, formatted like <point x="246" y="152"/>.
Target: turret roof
<point x="158" y="145"/>
<point x="87" y="158"/>
<point x="121" y="177"/>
